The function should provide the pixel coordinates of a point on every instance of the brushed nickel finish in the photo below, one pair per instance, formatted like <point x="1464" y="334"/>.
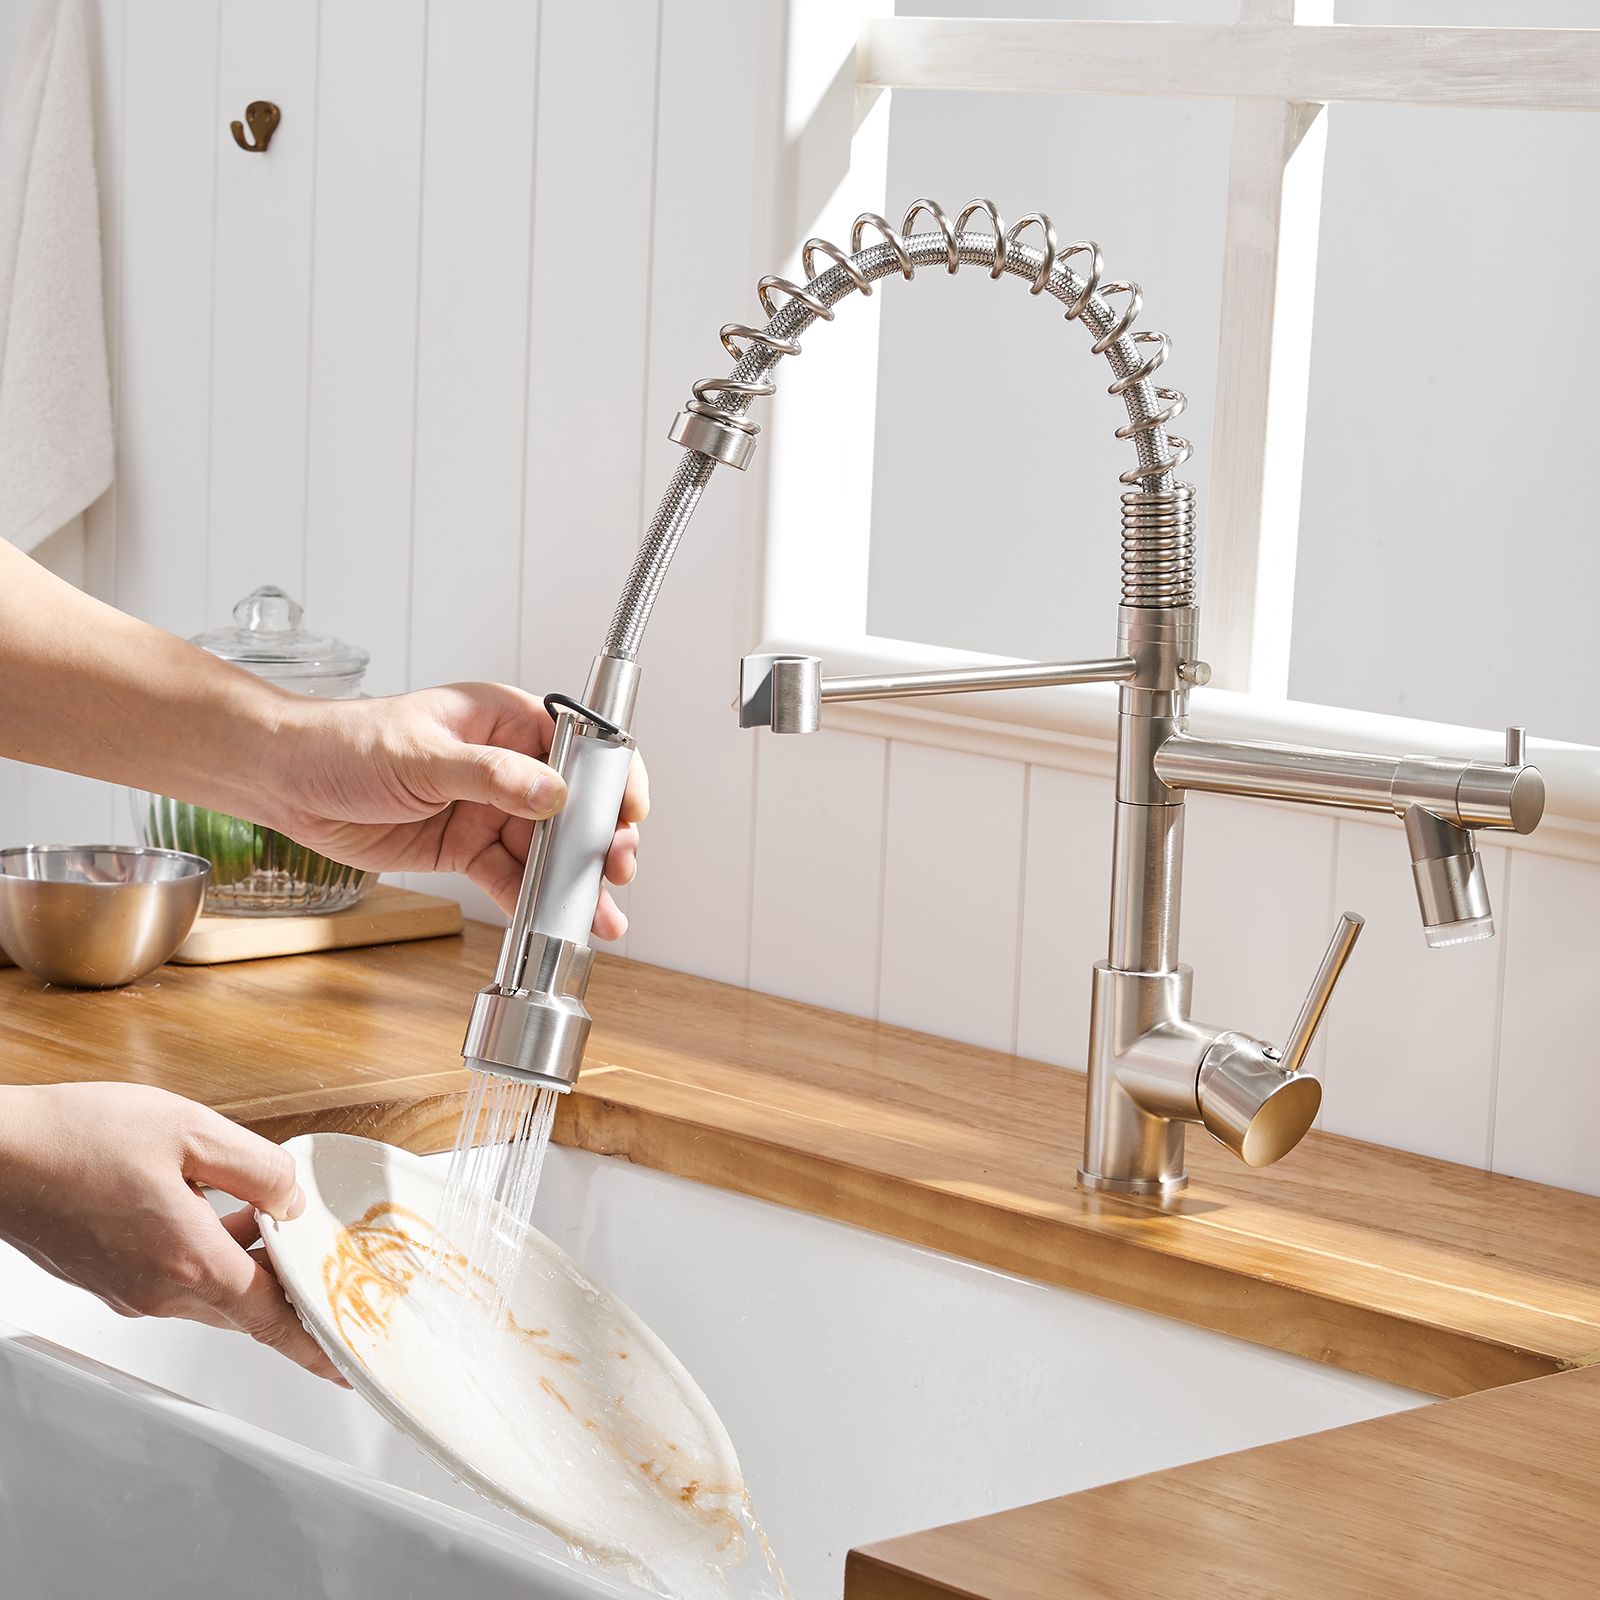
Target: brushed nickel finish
<point x="530" y="1023"/>
<point x="1449" y="877"/>
<point x="537" y="1033"/>
<point x="612" y="689"/>
<point x="1152" y="1071"/>
<point x="1471" y="794"/>
<point x="962" y="680"/>
<point x="781" y="692"/>
<point x="1250" y="1104"/>
<point x="786" y="693"/>
<point x="715" y="437"/>
<point x="1133" y="1133"/>
<point x="1316" y="1002"/>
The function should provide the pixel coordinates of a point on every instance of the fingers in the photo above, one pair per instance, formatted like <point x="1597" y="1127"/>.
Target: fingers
<point x="516" y="834"/>
<point x="242" y="1227"/>
<point x="491" y="777"/>
<point x="504" y="779"/>
<point x="496" y="714"/>
<point x="265" y="1314"/>
<point x="622" y="859"/>
<point x="499" y="874"/>
<point x="240" y="1163"/>
<point x="636" y="797"/>
<point x="609" y="922"/>
<point x="99" y="1183"/>
<point x="239" y="1289"/>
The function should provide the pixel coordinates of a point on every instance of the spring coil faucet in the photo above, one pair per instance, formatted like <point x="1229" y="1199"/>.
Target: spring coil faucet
<point x="1151" y="1069"/>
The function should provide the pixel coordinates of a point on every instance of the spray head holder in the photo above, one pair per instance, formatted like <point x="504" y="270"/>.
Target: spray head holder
<point x="781" y="692"/>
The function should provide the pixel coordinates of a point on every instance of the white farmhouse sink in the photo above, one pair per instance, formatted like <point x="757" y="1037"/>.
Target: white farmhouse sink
<point x="872" y="1388"/>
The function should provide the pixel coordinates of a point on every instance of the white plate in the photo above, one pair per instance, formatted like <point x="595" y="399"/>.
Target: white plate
<point x="572" y="1413"/>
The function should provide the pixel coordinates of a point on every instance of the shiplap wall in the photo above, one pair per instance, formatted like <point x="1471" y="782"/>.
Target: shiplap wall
<point x="417" y="365"/>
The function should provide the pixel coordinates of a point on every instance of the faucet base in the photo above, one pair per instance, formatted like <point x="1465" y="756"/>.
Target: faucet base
<point x="1155" y="1186"/>
<point x="1144" y="1062"/>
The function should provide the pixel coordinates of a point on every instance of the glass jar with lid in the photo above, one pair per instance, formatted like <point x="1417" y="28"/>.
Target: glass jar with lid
<point x="256" y="871"/>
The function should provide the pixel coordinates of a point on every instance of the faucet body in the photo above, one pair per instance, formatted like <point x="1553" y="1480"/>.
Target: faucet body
<point x="1152" y="1069"/>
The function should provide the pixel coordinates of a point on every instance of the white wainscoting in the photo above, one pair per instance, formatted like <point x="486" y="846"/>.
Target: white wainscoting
<point x="417" y="366"/>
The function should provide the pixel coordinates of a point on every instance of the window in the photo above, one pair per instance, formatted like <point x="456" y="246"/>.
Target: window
<point x="1447" y="344"/>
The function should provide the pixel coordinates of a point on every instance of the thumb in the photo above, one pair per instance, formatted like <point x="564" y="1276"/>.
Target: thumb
<point x="505" y="779"/>
<point x="230" y="1158"/>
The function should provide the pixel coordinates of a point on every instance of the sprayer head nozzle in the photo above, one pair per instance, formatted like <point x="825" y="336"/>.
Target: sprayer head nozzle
<point x="1468" y="931"/>
<point x="536" y="1033"/>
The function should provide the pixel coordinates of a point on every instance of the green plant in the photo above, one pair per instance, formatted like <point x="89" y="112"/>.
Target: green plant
<point x="241" y="853"/>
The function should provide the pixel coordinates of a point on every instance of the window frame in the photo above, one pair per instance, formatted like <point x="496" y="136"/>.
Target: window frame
<point x="1281" y="64"/>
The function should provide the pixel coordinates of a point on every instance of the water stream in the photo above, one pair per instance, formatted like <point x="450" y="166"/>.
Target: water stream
<point x="498" y="1155"/>
<point x="460" y="1294"/>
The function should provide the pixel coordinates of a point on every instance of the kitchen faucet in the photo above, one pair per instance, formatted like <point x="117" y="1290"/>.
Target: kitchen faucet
<point x="1152" y="1070"/>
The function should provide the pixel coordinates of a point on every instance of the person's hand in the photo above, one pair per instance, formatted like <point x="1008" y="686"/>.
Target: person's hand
<point x="443" y="780"/>
<point x="446" y="780"/>
<point x="99" y="1185"/>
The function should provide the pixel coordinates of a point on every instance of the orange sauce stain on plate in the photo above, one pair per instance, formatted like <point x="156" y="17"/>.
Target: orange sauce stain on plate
<point x="375" y="1263"/>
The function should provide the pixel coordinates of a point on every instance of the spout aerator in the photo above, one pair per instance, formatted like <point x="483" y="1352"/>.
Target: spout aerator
<point x="1451" y="892"/>
<point x="1467" y="931"/>
<point x="1251" y="1105"/>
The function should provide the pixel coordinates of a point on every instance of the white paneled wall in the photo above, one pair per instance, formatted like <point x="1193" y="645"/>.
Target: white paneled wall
<point x="816" y="904"/>
<point x="1413" y="1042"/>
<point x="1547" y="1101"/>
<point x="952" y="893"/>
<point x="417" y="365"/>
<point x="709" y="223"/>
<point x="1066" y="890"/>
<point x="361" y="412"/>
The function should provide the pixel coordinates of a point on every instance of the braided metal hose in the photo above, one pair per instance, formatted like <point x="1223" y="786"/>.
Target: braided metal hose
<point x="1158" y="512"/>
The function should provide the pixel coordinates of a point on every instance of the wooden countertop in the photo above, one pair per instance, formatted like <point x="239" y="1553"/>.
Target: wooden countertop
<point x="1493" y="1495"/>
<point x="1427" y="1274"/>
<point x="1437" y="1276"/>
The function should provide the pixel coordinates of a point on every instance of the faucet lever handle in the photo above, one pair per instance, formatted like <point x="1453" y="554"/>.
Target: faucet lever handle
<point x="1305" y="1028"/>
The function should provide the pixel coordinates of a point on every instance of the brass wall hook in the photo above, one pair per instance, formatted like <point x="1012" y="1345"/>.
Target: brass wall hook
<point x="263" y="118"/>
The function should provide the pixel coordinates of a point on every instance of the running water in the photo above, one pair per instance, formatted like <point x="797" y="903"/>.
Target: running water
<point x="685" y="1540"/>
<point x="493" y="1180"/>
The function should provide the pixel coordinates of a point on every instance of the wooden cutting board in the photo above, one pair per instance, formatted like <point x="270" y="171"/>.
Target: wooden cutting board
<point x="388" y="915"/>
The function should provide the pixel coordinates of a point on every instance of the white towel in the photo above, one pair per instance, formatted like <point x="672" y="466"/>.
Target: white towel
<point x="55" y="393"/>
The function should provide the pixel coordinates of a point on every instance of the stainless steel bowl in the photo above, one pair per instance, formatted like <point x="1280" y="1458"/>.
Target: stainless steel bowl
<point x="94" y="916"/>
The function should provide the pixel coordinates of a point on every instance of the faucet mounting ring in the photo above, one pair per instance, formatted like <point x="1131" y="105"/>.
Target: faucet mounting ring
<point x="1150" y="1187"/>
